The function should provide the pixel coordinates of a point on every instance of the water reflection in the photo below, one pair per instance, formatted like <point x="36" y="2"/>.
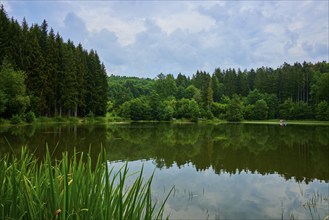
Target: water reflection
<point x="206" y="195"/>
<point x="222" y="171"/>
<point x="299" y="152"/>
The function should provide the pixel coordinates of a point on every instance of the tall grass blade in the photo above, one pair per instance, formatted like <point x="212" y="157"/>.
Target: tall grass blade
<point x="72" y="188"/>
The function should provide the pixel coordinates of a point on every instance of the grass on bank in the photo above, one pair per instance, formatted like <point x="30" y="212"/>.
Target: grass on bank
<point x="289" y="122"/>
<point x="72" y="188"/>
<point x="113" y="119"/>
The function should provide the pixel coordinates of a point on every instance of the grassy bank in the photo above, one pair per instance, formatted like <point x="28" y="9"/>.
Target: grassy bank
<point x="61" y="120"/>
<point x="289" y="122"/>
<point x="117" y="120"/>
<point x="71" y="188"/>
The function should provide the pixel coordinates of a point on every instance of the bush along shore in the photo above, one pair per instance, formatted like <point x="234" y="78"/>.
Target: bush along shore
<point x="72" y="188"/>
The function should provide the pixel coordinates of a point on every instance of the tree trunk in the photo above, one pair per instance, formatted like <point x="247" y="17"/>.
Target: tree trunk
<point x="76" y="110"/>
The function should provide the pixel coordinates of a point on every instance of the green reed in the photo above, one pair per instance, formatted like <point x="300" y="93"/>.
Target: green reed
<point x="72" y="188"/>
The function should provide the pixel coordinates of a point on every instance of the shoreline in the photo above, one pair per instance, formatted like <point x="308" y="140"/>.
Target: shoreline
<point x="106" y="120"/>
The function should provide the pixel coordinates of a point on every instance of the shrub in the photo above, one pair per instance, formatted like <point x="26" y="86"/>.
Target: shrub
<point x="16" y="119"/>
<point x="248" y="112"/>
<point x="218" y="109"/>
<point x="322" y="111"/>
<point x="90" y="115"/>
<point x="73" y="119"/>
<point x="30" y="117"/>
<point x="234" y="110"/>
<point x="260" y="110"/>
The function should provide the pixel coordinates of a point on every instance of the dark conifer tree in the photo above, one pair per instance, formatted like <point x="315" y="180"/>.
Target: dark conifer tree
<point x="4" y="33"/>
<point x="242" y="87"/>
<point x="230" y="82"/>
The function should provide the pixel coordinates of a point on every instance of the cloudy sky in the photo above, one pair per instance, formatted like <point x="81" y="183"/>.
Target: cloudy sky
<point x="145" y="38"/>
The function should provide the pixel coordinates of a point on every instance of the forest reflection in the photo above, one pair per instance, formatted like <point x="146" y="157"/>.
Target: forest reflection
<point x="299" y="152"/>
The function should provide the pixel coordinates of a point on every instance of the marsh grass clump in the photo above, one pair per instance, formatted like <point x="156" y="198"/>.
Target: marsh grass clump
<point x="72" y="188"/>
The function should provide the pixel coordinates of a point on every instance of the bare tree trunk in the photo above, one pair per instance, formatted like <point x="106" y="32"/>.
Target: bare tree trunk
<point x="76" y="110"/>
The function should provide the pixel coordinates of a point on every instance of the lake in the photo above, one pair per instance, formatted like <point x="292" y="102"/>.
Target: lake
<point x="235" y="171"/>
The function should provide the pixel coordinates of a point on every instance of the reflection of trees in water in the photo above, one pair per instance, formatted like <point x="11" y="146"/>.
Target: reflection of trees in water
<point x="157" y="141"/>
<point x="58" y="138"/>
<point x="299" y="152"/>
<point x="292" y="151"/>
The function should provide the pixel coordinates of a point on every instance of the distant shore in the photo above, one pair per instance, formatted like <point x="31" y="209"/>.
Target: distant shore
<point x="109" y="120"/>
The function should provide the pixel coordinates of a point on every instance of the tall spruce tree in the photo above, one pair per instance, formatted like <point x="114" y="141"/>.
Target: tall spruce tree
<point x="4" y="33"/>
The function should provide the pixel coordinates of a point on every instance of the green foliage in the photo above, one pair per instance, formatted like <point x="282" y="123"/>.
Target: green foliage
<point x="42" y="73"/>
<point x="218" y="110"/>
<point x="13" y="96"/>
<point x="124" y="110"/>
<point x="3" y="101"/>
<point x="109" y="106"/>
<point x="260" y="110"/>
<point x="165" y="85"/>
<point x="136" y="109"/>
<point x="191" y="92"/>
<point x="48" y="76"/>
<point x="273" y="105"/>
<point x="118" y="94"/>
<point x="123" y="89"/>
<point x="320" y="88"/>
<point x="30" y="117"/>
<point x="155" y="105"/>
<point x="139" y="109"/>
<point x="167" y="113"/>
<point x="230" y="81"/>
<point x="301" y="110"/>
<point x="88" y="118"/>
<point x="215" y="86"/>
<point x="167" y="109"/>
<point x="248" y="112"/>
<point x="322" y="111"/>
<point x="182" y="81"/>
<point x="90" y="115"/>
<point x="202" y="81"/>
<point x="234" y="111"/>
<point x="242" y="81"/>
<point x="254" y="96"/>
<point x="208" y="114"/>
<point x="114" y="119"/>
<point x="187" y="108"/>
<point x="15" y="119"/>
<point x="71" y="186"/>
<point x="292" y="110"/>
<point x="180" y="92"/>
<point x="286" y="109"/>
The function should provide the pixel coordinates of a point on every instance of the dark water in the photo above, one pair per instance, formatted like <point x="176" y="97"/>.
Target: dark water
<point x="225" y="171"/>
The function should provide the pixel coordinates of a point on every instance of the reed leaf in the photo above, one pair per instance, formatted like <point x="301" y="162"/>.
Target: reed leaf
<point x="72" y="188"/>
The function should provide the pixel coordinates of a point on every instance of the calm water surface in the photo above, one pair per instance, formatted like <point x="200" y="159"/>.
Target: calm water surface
<point x="225" y="171"/>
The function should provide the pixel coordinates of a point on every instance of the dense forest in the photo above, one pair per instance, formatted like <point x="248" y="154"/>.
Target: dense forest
<point x="298" y="91"/>
<point x="42" y="75"/>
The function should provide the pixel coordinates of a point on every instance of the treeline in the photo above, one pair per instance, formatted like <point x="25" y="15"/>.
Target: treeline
<point x="298" y="91"/>
<point x="43" y="75"/>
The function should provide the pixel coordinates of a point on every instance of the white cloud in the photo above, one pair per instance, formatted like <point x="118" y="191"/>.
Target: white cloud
<point x="74" y="28"/>
<point x="145" y="38"/>
<point x="6" y="5"/>
<point x="103" y="17"/>
<point x="190" y="21"/>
